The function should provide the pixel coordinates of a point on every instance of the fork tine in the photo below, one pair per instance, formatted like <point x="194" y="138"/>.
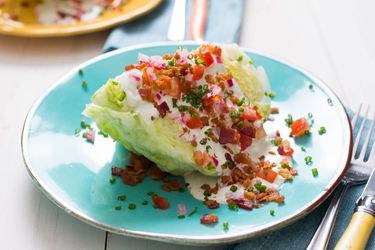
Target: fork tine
<point x="355" y="118"/>
<point x="371" y="158"/>
<point x="365" y="144"/>
<point x="359" y="133"/>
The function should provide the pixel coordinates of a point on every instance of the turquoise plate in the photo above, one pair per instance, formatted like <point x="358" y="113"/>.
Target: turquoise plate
<point x="75" y="174"/>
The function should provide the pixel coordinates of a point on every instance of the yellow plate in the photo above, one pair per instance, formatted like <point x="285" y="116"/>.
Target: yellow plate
<point x="26" y="23"/>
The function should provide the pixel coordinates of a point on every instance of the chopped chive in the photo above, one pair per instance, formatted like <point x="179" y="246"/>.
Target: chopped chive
<point x="144" y="202"/>
<point x="289" y="120"/>
<point x="225" y="225"/>
<point x="308" y="160"/>
<point x="234" y="115"/>
<point x="303" y="149"/>
<point x="330" y="103"/>
<point x="272" y="212"/>
<point x="284" y="166"/>
<point x="190" y="56"/>
<point x="181" y="190"/>
<point x="118" y="207"/>
<point x="240" y="102"/>
<point x="80" y="72"/>
<point x="181" y="216"/>
<point x="208" y="147"/>
<point x="322" y="130"/>
<point x="151" y="193"/>
<point x="310" y="115"/>
<point x="311" y="87"/>
<point x="239" y="59"/>
<point x="121" y="197"/>
<point x="208" y="131"/>
<point x="112" y="180"/>
<point x="77" y="131"/>
<point x="85" y="84"/>
<point x="207" y="193"/>
<point x="174" y="102"/>
<point x="193" y="212"/>
<point x="272" y="94"/>
<point x="83" y="124"/>
<point x="275" y="143"/>
<point x="200" y="61"/>
<point x="314" y="172"/>
<point x="233" y="188"/>
<point x="203" y="141"/>
<point x="232" y="206"/>
<point x="132" y="206"/>
<point x="258" y="185"/>
<point x="241" y="109"/>
<point x="250" y="189"/>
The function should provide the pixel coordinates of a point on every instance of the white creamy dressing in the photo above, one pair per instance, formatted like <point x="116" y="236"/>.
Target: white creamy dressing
<point x="257" y="149"/>
<point x="196" y="179"/>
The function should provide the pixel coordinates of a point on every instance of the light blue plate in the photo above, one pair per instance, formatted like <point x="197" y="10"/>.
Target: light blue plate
<point x="75" y="174"/>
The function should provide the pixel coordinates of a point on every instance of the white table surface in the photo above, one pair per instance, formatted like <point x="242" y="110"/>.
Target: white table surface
<point x="335" y="40"/>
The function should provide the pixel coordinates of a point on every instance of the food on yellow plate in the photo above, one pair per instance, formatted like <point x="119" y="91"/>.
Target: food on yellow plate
<point x="199" y="114"/>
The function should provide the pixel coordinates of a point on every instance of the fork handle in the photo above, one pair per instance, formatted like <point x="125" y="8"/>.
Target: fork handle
<point x="323" y="233"/>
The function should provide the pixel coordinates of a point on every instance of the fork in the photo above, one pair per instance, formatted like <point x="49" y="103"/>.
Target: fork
<point x="358" y="173"/>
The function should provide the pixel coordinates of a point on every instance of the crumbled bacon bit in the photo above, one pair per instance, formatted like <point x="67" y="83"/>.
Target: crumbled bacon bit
<point x="209" y="218"/>
<point x="171" y="185"/>
<point x="227" y="135"/>
<point x="162" y="108"/>
<point x="157" y="174"/>
<point x="116" y="171"/>
<point x="242" y="203"/>
<point x="211" y="204"/>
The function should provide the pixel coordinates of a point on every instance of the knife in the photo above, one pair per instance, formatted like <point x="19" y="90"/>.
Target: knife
<point x="363" y="220"/>
<point x="176" y="31"/>
<point x="198" y="20"/>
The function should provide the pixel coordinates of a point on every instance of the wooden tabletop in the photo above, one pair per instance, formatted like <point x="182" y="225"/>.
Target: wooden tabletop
<point x="335" y="40"/>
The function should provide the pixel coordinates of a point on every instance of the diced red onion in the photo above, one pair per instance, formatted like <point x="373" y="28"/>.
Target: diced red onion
<point x="230" y="83"/>
<point x="181" y="209"/>
<point x="90" y="135"/>
<point x="135" y="74"/>
<point x="242" y="203"/>
<point x="162" y="108"/>
<point x="158" y="96"/>
<point x="157" y="61"/>
<point x="116" y="171"/>
<point x="216" y="162"/>
<point x="151" y="74"/>
<point x="218" y="60"/>
<point x="143" y="58"/>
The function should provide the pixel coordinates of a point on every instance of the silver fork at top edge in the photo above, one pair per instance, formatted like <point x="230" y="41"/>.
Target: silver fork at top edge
<point x="358" y="173"/>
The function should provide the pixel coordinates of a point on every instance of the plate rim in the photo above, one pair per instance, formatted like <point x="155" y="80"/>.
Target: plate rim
<point x="79" y="29"/>
<point x="171" y="238"/>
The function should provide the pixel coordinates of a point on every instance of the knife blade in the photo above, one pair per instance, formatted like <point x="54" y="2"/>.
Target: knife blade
<point x="176" y="31"/>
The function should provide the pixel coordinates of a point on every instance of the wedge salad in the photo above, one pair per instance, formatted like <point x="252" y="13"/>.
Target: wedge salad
<point x="200" y="114"/>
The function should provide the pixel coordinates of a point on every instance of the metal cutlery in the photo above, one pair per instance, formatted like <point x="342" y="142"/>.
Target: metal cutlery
<point x="358" y="173"/>
<point x="176" y="31"/>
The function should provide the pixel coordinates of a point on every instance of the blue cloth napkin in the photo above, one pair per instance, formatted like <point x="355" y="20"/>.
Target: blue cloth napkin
<point x="223" y="25"/>
<point x="299" y="234"/>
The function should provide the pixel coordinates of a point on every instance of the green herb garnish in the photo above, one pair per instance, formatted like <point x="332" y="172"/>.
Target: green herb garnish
<point x="275" y="142"/>
<point x="330" y="103"/>
<point x="207" y="193"/>
<point x="77" y="131"/>
<point x="132" y="206"/>
<point x="104" y="134"/>
<point x="193" y="212"/>
<point x="272" y="212"/>
<point x="311" y="87"/>
<point x="121" y="197"/>
<point x="203" y="141"/>
<point x="322" y="130"/>
<point x="80" y="72"/>
<point x="181" y="216"/>
<point x="118" y="207"/>
<point x="85" y="84"/>
<point x="112" y="180"/>
<point x="195" y="95"/>
<point x="232" y="206"/>
<point x="303" y="149"/>
<point x="233" y="188"/>
<point x="234" y="115"/>
<point x="151" y="193"/>
<point x="289" y="120"/>
<point x="308" y="160"/>
<point x="239" y="59"/>
<point x="225" y="225"/>
<point x="259" y="186"/>
<point x="144" y="202"/>
<point x="314" y="172"/>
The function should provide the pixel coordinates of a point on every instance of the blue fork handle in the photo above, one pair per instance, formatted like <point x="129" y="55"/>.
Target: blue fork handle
<point x="323" y="233"/>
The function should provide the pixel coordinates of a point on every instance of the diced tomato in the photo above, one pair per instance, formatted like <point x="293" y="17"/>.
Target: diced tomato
<point x="207" y="57"/>
<point x="217" y="51"/>
<point x="194" y="122"/>
<point x="268" y="175"/>
<point x="300" y="127"/>
<point x="209" y="218"/>
<point x="160" y="202"/>
<point x="176" y="88"/>
<point x="285" y="149"/>
<point x="211" y="100"/>
<point x="250" y="115"/>
<point x="198" y="71"/>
